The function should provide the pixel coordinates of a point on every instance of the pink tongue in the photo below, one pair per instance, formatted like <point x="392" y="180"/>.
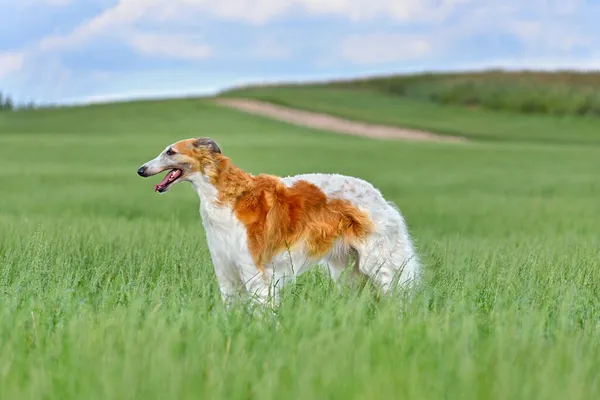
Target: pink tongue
<point x="168" y="178"/>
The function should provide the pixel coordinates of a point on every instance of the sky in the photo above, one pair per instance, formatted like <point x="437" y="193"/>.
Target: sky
<point x="64" y="51"/>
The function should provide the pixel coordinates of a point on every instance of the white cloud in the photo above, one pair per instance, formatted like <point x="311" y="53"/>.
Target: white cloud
<point x="185" y="47"/>
<point x="128" y="12"/>
<point x="384" y="48"/>
<point x="11" y="62"/>
<point x="543" y="36"/>
<point x="105" y="23"/>
<point x="260" y="11"/>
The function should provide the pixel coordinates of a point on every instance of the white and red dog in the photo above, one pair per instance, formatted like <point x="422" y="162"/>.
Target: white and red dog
<point x="265" y="230"/>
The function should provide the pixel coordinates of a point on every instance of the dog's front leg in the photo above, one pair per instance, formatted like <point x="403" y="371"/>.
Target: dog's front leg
<point x="228" y="278"/>
<point x="259" y="285"/>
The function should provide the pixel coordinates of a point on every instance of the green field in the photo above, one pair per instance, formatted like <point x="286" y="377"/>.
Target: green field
<point x="561" y="93"/>
<point x="107" y="289"/>
<point x="475" y="123"/>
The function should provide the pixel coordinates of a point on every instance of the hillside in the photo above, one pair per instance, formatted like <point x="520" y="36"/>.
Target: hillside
<point x="554" y="93"/>
<point x="381" y="107"/>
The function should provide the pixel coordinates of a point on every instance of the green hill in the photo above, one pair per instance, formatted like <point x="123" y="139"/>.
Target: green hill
<point x="555" y="93"/>
<point x="525" y="106"/>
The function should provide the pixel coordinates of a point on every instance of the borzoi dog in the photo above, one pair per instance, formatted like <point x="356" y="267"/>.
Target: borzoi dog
<point x="263" y="230"/>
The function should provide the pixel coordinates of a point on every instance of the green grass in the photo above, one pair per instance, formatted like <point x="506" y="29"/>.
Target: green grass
<point x="107" y="289"/>
<point x="474" y="123"/>
<point x="529" y="92"/>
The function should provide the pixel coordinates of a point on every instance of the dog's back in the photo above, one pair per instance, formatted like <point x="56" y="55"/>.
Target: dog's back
<point x="388" y="254"/>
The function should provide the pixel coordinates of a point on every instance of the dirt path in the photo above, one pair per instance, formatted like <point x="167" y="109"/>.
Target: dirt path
<point x="331" y="123"/>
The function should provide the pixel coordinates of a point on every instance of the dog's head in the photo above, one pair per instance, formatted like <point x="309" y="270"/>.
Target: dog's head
<point x="184" y="159"/>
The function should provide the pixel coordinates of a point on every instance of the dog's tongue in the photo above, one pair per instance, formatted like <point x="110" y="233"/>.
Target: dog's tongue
<point x="162" y="183"/>
<point x="168" y="178"/>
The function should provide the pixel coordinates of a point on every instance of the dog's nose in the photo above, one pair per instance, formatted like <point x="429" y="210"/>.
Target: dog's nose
<point x="142" y="170"/>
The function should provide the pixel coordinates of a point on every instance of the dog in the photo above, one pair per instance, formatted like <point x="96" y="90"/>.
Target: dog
<point x="263" y="231"/>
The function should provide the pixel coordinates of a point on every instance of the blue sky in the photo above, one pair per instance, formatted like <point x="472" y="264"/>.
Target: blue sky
<point x="94" y="50"/>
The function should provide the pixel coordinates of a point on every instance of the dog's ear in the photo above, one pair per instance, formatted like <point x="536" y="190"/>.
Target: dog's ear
<point x="207" y="143"/>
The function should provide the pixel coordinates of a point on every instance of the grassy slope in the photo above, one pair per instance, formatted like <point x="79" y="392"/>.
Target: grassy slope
<point x="376" y="107"/>
<point x="107" y="289"/>
<point x="551" y="93"/>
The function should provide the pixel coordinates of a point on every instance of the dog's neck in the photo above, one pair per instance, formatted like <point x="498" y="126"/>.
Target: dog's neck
<point x="206" y="191"/>
<point x="222" y="182"/>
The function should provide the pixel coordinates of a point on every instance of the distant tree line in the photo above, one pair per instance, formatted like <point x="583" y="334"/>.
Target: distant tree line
<point x="7" y="103"/>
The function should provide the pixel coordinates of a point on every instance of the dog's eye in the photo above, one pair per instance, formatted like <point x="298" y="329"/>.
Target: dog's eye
<point x="170" y="152"/>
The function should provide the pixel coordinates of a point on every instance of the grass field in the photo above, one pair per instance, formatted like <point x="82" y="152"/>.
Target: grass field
<point x="107" y="289"/>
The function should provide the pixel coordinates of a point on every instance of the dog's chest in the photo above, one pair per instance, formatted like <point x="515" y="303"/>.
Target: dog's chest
<point x="225" y="234"/>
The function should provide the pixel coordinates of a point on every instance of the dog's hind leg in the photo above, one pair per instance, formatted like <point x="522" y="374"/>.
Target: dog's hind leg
<point x="388" y="262"/>
<point x="346" y="264"/>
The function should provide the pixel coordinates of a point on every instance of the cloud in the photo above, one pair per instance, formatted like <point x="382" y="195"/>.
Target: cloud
<point x="123" y="20"/>
<point x="184" y="47"/>
<point x="109" y="22"/>
<point x="384" y="48"/>
<point x="11" y="62"/>
<point x="126" y="13"/>
<point x="260" y="11"/>
<point x="544" y="36"/>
